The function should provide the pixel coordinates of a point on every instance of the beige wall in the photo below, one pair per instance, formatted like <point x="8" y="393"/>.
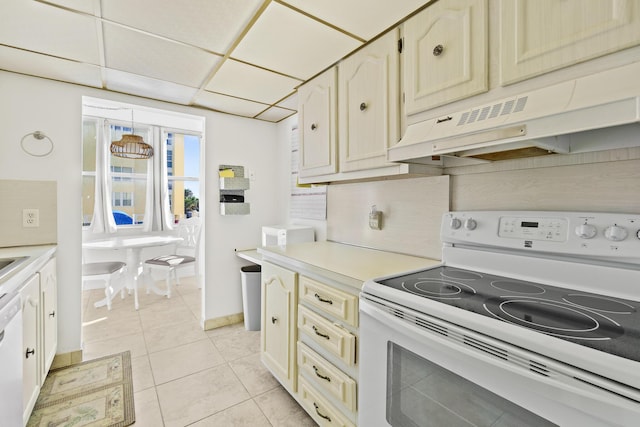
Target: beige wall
<point x="17" y="195"/>
<point x="413" y="208"/>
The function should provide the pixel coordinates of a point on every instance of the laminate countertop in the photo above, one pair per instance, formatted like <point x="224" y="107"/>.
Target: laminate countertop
<point x="351" y="265"/>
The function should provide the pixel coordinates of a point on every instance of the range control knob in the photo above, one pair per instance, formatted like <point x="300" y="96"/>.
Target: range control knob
<point x="616" y="233"/>
<point x="638" y="234"/>
<point x="455" y="223"/>
<point x="470" y="224"/>
<point x="586" y="231"/>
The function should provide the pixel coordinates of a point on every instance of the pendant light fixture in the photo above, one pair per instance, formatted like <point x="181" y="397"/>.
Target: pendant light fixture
<point x="131" y="146"/>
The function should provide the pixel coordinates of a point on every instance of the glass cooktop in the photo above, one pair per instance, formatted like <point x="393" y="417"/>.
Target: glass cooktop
<point x="604" y="323"/>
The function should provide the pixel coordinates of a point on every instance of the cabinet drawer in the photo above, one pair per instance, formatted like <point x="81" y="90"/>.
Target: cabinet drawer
<point x="330" y="300"/>
<point x="322" y="411"/>
<point x="327" y="377"/>
<point x="330" y="336"/>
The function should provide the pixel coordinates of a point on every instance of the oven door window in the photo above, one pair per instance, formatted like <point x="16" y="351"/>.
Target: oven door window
<point x="423" y="394"/>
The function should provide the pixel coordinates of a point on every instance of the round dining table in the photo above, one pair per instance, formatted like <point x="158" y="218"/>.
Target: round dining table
<point x="133" y="246"/>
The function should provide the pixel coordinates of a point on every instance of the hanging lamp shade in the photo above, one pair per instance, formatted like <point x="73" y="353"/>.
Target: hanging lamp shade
<point x="131" y="147"/>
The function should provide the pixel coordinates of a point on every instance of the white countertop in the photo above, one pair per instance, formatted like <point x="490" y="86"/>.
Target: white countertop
<point x="353" y="265"/>
<point x="37" y="257"/>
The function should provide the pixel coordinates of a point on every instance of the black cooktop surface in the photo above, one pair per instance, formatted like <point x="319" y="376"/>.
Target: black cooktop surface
<point x="604" y="323"/>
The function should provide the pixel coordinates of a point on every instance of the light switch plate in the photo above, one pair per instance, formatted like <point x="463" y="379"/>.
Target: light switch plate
<point x="30" y="218"/>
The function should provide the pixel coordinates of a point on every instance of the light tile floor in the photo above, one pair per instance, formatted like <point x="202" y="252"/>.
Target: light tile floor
<point x="182" y="375"/>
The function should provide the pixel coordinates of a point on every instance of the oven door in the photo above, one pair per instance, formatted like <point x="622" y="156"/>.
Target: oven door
<point x="418" y="371"/>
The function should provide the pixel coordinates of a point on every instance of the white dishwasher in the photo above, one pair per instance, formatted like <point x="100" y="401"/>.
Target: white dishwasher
<point x="11" y="359"/>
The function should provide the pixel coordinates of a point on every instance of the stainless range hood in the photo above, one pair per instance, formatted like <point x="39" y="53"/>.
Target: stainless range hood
<point x="556" y="119"/>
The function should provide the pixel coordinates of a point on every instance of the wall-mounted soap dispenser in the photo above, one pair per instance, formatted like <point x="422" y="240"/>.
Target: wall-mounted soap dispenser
<point x="375" y="219"/>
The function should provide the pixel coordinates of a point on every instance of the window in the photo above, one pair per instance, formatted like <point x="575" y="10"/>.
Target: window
<point x="183" y="170"/>
<point x="124" y="188"/>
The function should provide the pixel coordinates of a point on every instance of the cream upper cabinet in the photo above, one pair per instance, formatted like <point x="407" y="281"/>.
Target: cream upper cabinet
<point x="317" y="121"/>
<point x="49" y="299"/>
<point x="537" y="36"/>
<point x="445" y="54"/>
<point x="368" y="104"/>
<point x="278" y="325"/>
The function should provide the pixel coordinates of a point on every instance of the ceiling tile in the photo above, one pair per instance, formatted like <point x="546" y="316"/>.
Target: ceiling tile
<point x="292" y="43"/>
<point x="83" y="6"/>
<point x="275" y="114"/>
<point x="121" y="81"/>
<point x="210" y="24"/>
<point x="145" y="55"/>
<point x="246" y="81"/>
<point x="359" y="17"/>
<point x="34" y="64"/>
<point x="229" y="104"/>
<point x="290" y="102"/>
<point x="47" y="29"/>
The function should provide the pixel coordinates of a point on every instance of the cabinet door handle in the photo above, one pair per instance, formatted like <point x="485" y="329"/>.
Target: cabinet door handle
<point x="52" y="314"/>
<point x="319" y="375"/>
<point x="321" y="415"/>
<point x="363" y="106"/>
<point x="314" y="126"/>
<point x="30" y="352"/>
<point x="326" y="301"/>
<point x="437" y="51"/>
<point x="274" y="319"/>
<point x="320" y="334"/>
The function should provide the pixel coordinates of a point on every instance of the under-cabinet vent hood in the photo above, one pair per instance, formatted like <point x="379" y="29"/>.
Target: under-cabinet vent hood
<point x="556" y="119"/>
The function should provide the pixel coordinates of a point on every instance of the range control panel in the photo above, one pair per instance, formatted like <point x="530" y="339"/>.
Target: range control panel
<point x="575" y="233"/>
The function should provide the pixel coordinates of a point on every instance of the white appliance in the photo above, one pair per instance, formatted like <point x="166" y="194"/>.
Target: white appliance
<point x="532" y="319"/>
<point x="11" y="359"/>
<point x="561" y="118"/>
<point x="281" y="235"/>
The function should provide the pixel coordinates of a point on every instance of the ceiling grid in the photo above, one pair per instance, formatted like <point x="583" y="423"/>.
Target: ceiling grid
<point x="242" y="57"/>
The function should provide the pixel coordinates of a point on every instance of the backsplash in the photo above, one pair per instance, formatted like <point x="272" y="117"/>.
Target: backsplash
<point x="39" y="198"/>
<point x="411" y="209"/>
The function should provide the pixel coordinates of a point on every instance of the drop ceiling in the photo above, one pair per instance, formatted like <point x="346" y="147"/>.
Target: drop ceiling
<point x="243" y="57"/>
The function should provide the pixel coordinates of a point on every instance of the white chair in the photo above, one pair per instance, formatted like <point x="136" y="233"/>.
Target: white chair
<point x="185" y="255"/>
<point x="108" y="272"/>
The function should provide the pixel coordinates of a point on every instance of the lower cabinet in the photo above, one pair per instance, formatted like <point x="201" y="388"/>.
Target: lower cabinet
<point x="309" y="342"/>
<point x="49" y="301"/>
<point x="39" y="332"/>
<point x="278" y="323"/>
<point x="31" y="309"/>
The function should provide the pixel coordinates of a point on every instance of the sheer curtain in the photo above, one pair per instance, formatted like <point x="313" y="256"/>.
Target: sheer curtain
<point x="157" y="213"/>
<point x="103" y="221"/>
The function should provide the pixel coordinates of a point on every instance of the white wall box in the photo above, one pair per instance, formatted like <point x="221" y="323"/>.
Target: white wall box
<point x="544" y="35"/>
<point x="318" y="133"/>
<point x="445" y="54"/>
<point x="232" y="190"/>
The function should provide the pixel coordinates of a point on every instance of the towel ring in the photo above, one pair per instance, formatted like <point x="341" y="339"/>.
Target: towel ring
<point x="39" y="136"/>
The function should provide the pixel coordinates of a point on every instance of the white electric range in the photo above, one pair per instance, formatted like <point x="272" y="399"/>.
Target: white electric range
<point x="533" y="318"/>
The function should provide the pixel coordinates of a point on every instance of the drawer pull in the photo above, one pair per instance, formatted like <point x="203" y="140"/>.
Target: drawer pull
<point x="327" y="301"/>
<point x="319" y="375"/>
<point x="326" y="417"/>
<point x="320" y="334"/>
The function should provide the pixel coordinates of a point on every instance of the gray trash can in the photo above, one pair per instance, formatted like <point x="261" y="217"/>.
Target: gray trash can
<point x="251" y="296"/>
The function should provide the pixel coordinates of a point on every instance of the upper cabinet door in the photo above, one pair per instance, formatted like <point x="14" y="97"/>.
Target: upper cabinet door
<point x="445" y="54"/>
<point x="537" y="36"/>
<point x="368" y="85"/>
<point x="317" y="110"/>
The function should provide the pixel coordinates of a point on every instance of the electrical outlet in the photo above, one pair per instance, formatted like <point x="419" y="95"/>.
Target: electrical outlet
<point x="30" y="218"/>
